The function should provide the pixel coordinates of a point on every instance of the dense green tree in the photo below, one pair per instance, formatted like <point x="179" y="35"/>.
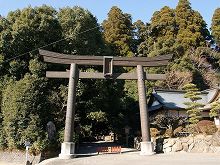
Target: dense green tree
<point x="82" y="32"/>
<point x="33" y="28"/>
<point x="26" y="30"/>
<point x="24" y="111"/>
<point x="20" y="32"/>
<point x="37" y="67"/>
<point x="5" y="35"/>
<point x="107" y="100"/>
<point x="4" y="80"/>
<point x="193" y="106"/>
<point x="215" y="27"/>
<point x="118" y="32"/>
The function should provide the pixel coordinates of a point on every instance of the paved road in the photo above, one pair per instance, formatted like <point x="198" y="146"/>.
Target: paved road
<point x="134" y="158"/>
<point x="10" y="163"/>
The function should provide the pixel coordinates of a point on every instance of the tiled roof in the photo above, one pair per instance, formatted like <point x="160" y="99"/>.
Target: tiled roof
<point x="174" y="99"/>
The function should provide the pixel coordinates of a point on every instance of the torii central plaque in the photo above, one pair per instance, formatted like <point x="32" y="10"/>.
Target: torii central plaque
<point x="108" y="62"/>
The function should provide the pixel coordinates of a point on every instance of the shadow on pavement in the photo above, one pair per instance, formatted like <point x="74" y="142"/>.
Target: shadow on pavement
<point x="87" y="149"/>
<point x="91" y="147"/>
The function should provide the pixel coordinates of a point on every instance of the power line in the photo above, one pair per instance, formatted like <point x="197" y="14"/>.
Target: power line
<point x="50" y="44"/>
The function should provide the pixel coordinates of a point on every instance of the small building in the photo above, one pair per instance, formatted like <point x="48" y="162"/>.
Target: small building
<point x="171" y="102"/>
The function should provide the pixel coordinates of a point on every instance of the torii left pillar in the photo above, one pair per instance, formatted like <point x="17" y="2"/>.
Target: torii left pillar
<point x="68" y="146"/>
<point x="147" y="147"/>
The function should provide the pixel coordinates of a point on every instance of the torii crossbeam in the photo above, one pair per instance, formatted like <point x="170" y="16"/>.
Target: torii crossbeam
<point x="68" y="147"/>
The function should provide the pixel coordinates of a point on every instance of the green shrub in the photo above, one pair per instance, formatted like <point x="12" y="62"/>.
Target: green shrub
<point x="38" y="146"/>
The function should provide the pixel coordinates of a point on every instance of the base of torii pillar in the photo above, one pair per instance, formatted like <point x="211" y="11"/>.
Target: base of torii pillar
<point x="67" y="150"/>
<point x="147" y="148"/>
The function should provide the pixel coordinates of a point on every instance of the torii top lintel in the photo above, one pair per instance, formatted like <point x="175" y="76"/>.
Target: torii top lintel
<point x="53" y="57"/>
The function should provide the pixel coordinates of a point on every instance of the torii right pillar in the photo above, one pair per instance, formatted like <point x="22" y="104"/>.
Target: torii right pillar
<point x="147" y="147"/>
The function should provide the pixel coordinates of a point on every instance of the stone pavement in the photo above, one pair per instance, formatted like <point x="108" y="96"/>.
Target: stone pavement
<point x="10" y="163"/>
<point x="133" y="158"/>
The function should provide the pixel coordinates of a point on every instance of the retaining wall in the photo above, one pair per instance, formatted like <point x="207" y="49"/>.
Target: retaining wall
<point x="196" y="144"/>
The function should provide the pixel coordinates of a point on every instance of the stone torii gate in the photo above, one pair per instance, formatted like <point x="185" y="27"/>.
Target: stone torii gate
<point x="68" y="146"/>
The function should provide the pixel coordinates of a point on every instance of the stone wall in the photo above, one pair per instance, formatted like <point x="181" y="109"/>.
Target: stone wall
<point x="18" y="157"/>
<point x="196" y="144"/>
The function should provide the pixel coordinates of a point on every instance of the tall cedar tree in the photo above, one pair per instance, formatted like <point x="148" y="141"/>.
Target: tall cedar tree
<point x="162" y="31"/>
<point x="118" y="32"/>
<point x="215" y="27"/>
<point x="174" y="30"/>
<point x="193" y="107"/>
<point x="192" y="30"/>
<point x="141" y="35"/>
<point x="140" y="30"/>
